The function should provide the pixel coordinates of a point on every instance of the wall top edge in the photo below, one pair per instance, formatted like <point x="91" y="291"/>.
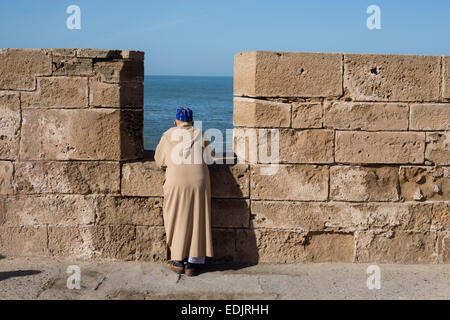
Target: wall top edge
<point x="337" y="53"/>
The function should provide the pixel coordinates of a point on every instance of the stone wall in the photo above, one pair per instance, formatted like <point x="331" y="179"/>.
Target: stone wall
<point x="364" y="152"/>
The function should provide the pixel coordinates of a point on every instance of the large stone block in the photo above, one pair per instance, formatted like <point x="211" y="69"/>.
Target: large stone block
<point x="330" y="247"/>
<point x="72" y="66"/>
<point x="355" y="183"/>
<point x="224" y="246"/>
<point x="342" y="217"/>
<point x="438" y="147"/>
<point x="142" y="178"/>
<point x="151" y="244"/>
<point x="120" y="71"/>
<point x="78" y="177"/>
<point x="65" y="210"/>
<point x="441" y="216"/>
<point x="58" y="92"/>
<point x="64" y="134"/>
<point x="443" y="247"/>
<point x="425" y="183"/>
<point x="110" y="54"/>
<point x="306" y="115"/>
<point x="23" y="241"/>
<point x="230" y="213"/>
<point x="371" y="77"/>
<point x="19" y="68"/>
<point x="113" y="95"/>
<point x="115" y="242"/>
<point x="230" y="181"/>
<point x="395" y="247"/>
<point x="306" y="146"/>
<point x="379" y="147"/>
<point x="287" y="74"/>
<point x="6" y="178"/>
<point x="111" y="210"/>
<point x="71" y="241"/>
<point x="10" y="125"/>
<point x="430" y="117"/>
<point x="261" y="113"/>
<point x="366" y="116"/>
<point x="446" y="77"/>
<point x="290" y="182"/>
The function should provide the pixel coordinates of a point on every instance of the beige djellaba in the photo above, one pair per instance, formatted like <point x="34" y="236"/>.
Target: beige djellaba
<point x="187" y="192"/>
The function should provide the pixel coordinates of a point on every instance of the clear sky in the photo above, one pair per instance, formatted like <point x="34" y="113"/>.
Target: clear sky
<point x="200" y="37"/>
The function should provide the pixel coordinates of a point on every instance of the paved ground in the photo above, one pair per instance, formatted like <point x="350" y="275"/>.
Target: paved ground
<point x="30" y="278"/>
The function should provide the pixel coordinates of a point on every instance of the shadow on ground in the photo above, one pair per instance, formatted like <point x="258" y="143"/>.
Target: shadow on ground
<point x="18" y="273"/>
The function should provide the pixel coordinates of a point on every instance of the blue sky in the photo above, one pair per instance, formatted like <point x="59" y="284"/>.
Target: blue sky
<point x="199" y="37"/>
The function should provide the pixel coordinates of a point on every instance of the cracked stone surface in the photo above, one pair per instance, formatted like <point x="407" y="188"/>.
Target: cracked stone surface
<point x="32" y="278"/>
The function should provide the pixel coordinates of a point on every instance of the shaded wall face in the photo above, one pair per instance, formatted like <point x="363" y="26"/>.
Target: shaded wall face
<point x="363" y="150"/>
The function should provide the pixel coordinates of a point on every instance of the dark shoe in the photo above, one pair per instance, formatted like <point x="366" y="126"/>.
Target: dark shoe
<point x="177" y="266"/>
<point x="190" y="270"/>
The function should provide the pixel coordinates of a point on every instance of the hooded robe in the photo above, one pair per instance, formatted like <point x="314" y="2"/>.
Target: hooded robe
<point x="187" y="192"/>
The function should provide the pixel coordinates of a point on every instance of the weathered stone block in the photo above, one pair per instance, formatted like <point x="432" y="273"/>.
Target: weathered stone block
<point x="120" y="71"/>
<point x="330" y="247"/>
<point x="10" y="125"/>
<point x="441" y="216"/>
<point x="66" y="210"/>
<point x="142" y="178"/>
<point x="290" y="182"/>
<point x="425" y="183"/>
<point x="261" y="113"/>
<point x="6" y="177"/>
<point x="110" y="54"/>
<point x="19" y="68"/>
<point x="372" y="77"/>
<point x="130" y="95"/>
<point x="430" y="117"/>
<point x="151" y="244"/>
<point x="71" y="241"/>
<point x="379" y="147"/>
<point x="446" y="77"/>
<point x="67" y="177"/>
<point x="141" y="211"/>
<point x="64" y="134"/>
<point x="306" y="115"/>
<point x="355" y="183"/>
<point x="443" y="247"/>
<point x="438" y="147"/>
<point x="366" y="116"/>
<point x="287" y="74"/>
<point x="115" y="242"/>
<point x="61" y="52"/>
<point x="230" y="213"/>
<point x="395" y="247"/>
<point x="230" y="181"/>
<point x="224" y="245"/>
<point x="58" y="92"/>
<point x="306" y="146"/>
<point x="23" y="241"/>
<point x="72" y="66"/>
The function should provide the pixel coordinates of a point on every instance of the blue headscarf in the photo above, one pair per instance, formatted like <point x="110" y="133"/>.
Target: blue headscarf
<point x="184" y="114"/>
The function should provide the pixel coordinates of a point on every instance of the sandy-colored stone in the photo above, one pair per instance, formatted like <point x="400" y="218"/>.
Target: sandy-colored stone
<point x="10" y="125"/>
<point x="23" y="241"/>
<point x="19" y="68"/>
<point x="290" y="182"/>
<point x="438" y="147"/>
<point x="230" y="213"/>
<point x="72" y="66"/>
<point x="446" y="77"/>
<point x="356" y="183"/>
<point x="64" y="134"/>
<point x="366" y="116"/>
<point x="120" y="71"/>
<point x="143" y="211"/>
<point x="229" y="181"/>
<point x="395" y="247"/>
<point x="372" y="77"/>
<point x="110" y="54"/>
<point x="6" y="177"/>
<point x="115" y="242"/>
<point x="306" y="146"/>
<point x="270" y="245"/>
<point x="287" y="74"/>
<point x="58" y="92"/>
<point x="260" y="113"/>
<point x="433" y="183"/>
<point x="441" y="216"/>
<point x="151" y="244"/>
<point x="379" y="147"/>
<point x="71" y="241"/>
<point x="430" y="117"/>
<point x="61" y="210"/>
<point x="330" y="247"/>
<point x="142" y="178"/>
<point x="113" y="95"/>
<point x="224" y="245"/>
<point x="78" y="177"/>
<point x="443" y="247"/>
<point x="61" y="52"/>
<point x="306" y="115"/>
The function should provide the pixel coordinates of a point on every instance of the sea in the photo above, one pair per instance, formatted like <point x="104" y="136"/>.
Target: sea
<point x="210" y="98"/>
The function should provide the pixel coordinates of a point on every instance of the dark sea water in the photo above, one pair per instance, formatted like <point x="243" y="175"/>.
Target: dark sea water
<point x="210" y="98"/>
